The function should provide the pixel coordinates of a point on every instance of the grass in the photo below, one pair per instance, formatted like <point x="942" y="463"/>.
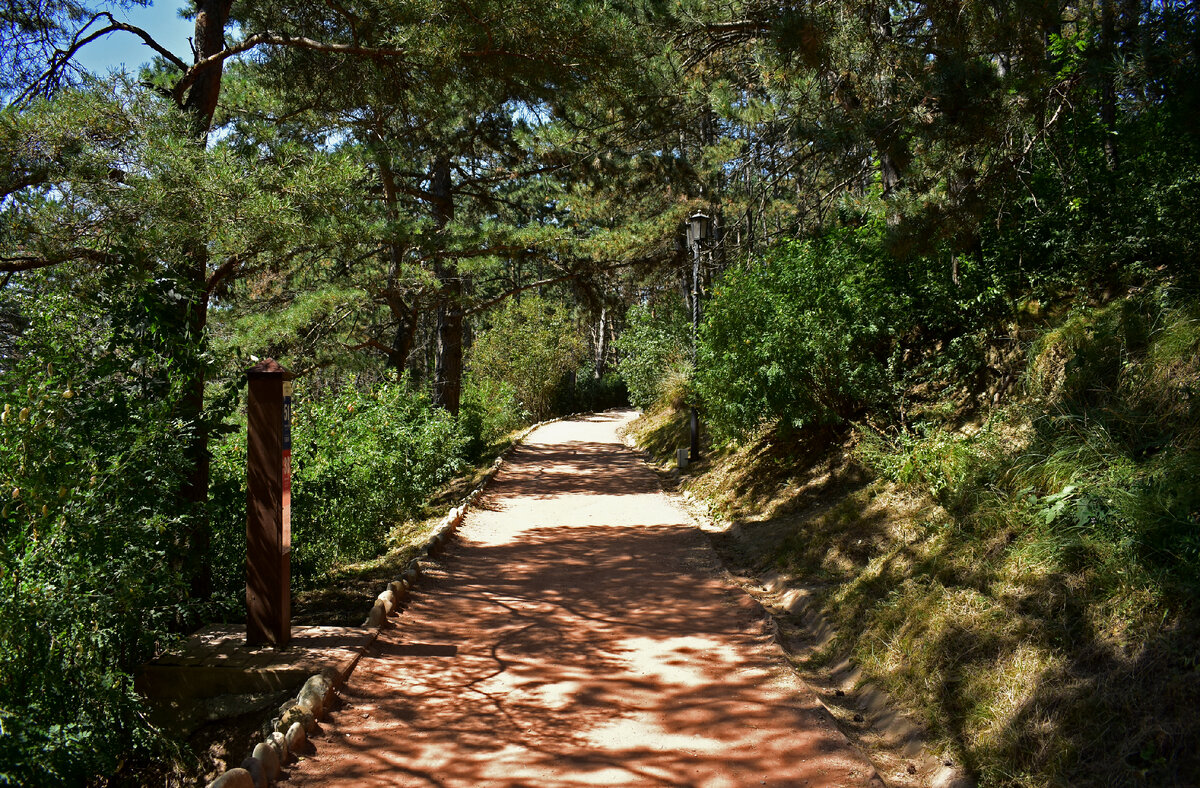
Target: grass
<point x="1026" y="585"/>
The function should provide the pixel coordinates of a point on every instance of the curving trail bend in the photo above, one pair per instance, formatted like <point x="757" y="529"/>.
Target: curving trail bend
<point x="578" y="632"/>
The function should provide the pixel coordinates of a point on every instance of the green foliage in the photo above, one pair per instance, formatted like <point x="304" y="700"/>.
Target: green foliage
<point x="584" y="392"/>
<point x="655" y="344"/>
<point x="1120" y="439"/>
<point x="1102" y="460"/>
<point x="363" y="459"/>
<point x="1055" y="591"/>
<point x="983" y="151"/>
<point x="92" y="568"/>
<point x="945" y="464"/>
<point x="490" y="413"/>
<point x="1106" y="205"/>
<point x="804" y="337"/>
<point x="1024" y="579"/>
<point x="530" y="346"/>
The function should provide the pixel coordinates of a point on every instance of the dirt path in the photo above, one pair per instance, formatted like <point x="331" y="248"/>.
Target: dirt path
<point x="578" y="632"/>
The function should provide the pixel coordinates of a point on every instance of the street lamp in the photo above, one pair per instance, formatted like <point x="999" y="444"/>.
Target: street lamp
<point x="699" y="229"/>
<point x="699" y="233"/>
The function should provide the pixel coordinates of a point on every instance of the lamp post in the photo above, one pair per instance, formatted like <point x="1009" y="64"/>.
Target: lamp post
<point x="699" y="233"/>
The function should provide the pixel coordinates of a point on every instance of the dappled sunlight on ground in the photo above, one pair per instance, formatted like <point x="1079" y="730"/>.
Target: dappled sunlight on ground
<point x="577" y="633"/>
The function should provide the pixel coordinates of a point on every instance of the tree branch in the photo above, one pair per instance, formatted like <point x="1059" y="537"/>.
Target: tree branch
<point x="63" y="56"/>
<point x="270" y="38"/>
<point x="370" y="343"/>
<point x="223" y="272"/>
<point x="30" y="262"/>
<point x="491" y="302"/>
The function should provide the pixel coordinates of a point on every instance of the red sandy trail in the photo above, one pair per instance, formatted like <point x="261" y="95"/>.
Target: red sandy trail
<point x="577" y="632"/>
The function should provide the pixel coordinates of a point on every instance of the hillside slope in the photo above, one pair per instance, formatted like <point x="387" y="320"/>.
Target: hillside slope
<point x="1016" y="563"/>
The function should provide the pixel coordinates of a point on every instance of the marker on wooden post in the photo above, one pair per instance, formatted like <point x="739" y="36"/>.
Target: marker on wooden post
<point x="269" y="505"/>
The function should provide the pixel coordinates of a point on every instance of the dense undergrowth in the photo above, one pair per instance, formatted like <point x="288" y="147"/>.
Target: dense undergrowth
<point x="363" y="460"/>
<point x="1017" y="564"/>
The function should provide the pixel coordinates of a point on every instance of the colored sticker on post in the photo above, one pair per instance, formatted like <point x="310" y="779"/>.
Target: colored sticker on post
<point x="287" y="416"/>
<point x="285" y="542"/>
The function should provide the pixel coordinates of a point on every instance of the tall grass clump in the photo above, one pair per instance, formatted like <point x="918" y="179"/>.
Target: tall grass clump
<point x="1118" y="432"/>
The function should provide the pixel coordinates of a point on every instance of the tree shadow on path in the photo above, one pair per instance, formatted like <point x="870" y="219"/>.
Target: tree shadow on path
<point x="577" y="633"/>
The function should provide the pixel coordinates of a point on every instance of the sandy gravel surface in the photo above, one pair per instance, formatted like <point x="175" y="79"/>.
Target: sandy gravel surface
<point x="577" y="632"/>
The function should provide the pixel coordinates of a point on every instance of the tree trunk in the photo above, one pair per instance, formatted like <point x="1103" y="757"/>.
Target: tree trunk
<point x="406" y="318"/>
<point x="1108" y="84"/>
<point x="198" y="531"/>
<point x="601" y="344"/>
<point x="447" y="384"/>
<point x="405" y="336"/>
<point x="200" y="104"/>
<point x="447" y="391"/>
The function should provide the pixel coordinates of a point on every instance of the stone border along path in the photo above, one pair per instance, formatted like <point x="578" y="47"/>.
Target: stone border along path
<point x="579" y="632"/>
<point x="286" y="736"/>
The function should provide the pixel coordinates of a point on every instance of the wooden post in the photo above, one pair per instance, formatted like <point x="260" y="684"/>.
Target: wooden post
<point x="269" y="505"/>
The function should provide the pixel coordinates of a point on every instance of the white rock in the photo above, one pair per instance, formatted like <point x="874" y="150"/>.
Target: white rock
<point x="279" y="742"/>
<point x="949" y="777"/>
<point x="266" y="755"/>
<point x="297" y="739"/>
<point x="234" y="778"/>
<point x="311" y="701"/>
<point x="377" y="616"/>
<point x="320" y="685"/>
<point x="257" y="773"/>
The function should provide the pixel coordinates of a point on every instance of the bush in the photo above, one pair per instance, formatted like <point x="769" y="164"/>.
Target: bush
<point x="1105" y="453"/>
<point x="805" y="337"/>
<point x="362" y="460"/>
<point x="583" y="392"/>
<point x="530" y="347"/>
<point x="490" y="412"/>
<point x="655" y="347"/>
<point x="92" y="575"/>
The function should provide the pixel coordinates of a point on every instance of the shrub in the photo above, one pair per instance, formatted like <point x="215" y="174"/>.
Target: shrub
<point x="490" y="412"/>
<point x="531" y="345"/>
<point x="1055" y="592"/>
<point x="584" y="392"/>
<point x="1104" y="454"/>
<point x="362" y="460"/>
<point x="92" y="575"/>
<point x="655" y="347"/>
<point x="803" y="338"/>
